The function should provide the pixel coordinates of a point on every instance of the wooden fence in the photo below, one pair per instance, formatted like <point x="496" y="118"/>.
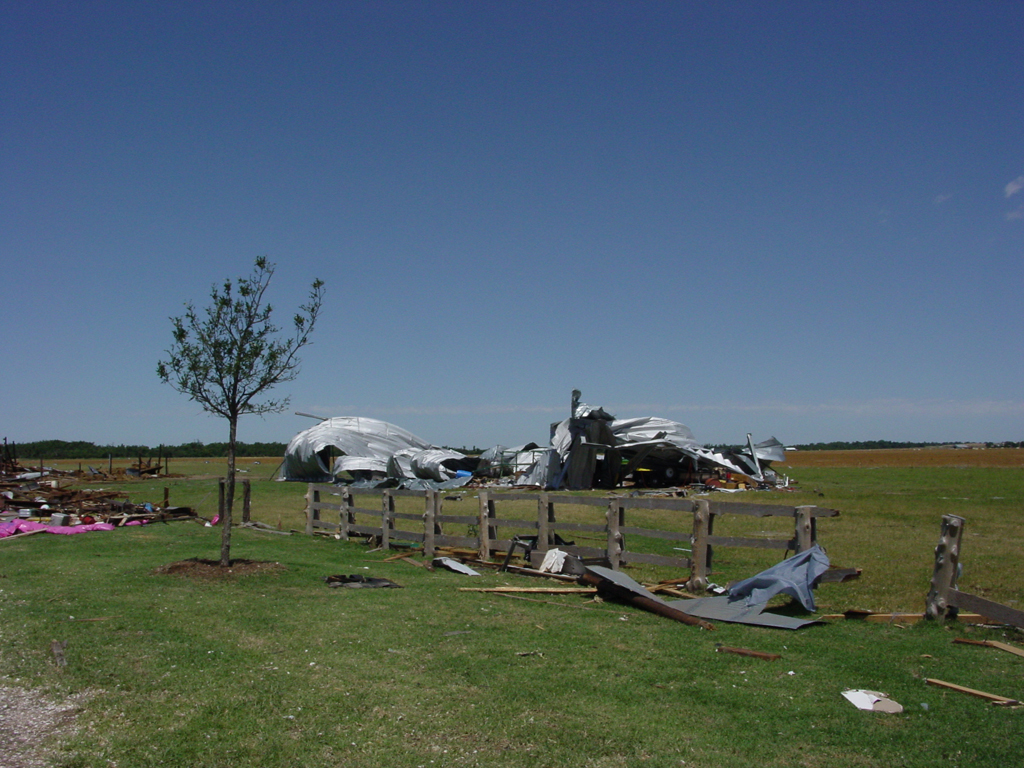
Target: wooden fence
<point x="944" y="599"/>
<point x="612" y="517"/>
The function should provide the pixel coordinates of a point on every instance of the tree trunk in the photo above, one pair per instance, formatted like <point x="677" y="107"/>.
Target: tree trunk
<point x="225" y="523"/>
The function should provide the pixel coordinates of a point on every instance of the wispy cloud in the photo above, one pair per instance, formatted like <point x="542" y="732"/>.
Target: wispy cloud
<point x="1014" y="186"/>
<point x="940" y="199"/>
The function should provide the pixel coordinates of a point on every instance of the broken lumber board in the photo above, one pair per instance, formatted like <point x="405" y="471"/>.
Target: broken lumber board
<point x="993" y="697"/>
<point x="23" y="533"/>
<point x="608" y="587"/>
<point x="407" y="553"/>
<point x="990" y="644"/>
<point x="535" y="600"/>
<point x="533" y="572"/>
<point x="534" y="590"/>
<point x="898" y="618"/>
<point x="997" y="612"/>
<point x="408" y="559"/>
<point x="663" y="589"/>
<point x="719" y="648"/>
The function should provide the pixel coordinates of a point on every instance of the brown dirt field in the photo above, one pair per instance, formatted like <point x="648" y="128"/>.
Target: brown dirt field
<point x="908" y="457"/>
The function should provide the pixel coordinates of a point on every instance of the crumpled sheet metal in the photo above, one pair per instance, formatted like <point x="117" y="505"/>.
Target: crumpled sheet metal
<point x="795" y="576"/>
<point x="673" y="440"/>
<point x="368" y="446"/>
<point x="736" y="611"/>
<point x="365" y="444"/>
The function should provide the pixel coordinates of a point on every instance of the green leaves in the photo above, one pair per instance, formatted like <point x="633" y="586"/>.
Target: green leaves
<point x="227" y="356"/>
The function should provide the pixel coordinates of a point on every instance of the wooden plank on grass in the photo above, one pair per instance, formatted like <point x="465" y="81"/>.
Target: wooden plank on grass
<point x="23" y="533"/>
<point x="990" y="644"/>
<point x="747" y="652"/>
<point x="993" y="697"/>
<point x="995" y="611"/>
<point x="530" y="590"/>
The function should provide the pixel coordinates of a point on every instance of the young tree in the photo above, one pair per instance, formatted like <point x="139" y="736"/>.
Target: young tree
<point x="227" y="357"/>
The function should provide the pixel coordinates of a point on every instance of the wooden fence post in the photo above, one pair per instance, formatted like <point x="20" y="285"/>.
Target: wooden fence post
<point x="804" y="535"/>
<point x="346" y="516"/>
<point x="545" y="515"/>
<point x="167" y="496"/>
<point x="616" y="517"/>
<point x="699" y="557"/>
<point x="487" y="532"/>
<point x="246" y="500"/>
<point x="947" y="560"/>
<point x="430" y="522"/>
<point x="387" y="519"/>
<point x="312" y="513"/>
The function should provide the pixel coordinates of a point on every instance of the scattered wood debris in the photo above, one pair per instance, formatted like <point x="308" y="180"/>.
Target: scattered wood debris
<point x="1004" y="701"/>
<point x="747" y="652"/>
<point x="990" y="644"/>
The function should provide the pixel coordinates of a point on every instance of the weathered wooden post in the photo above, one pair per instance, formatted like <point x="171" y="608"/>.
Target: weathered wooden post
<point x="167" y="497"/>
<point x="487" y="532"/>
<point x="698" y="581"/>
<point x="616" y="517"/>
<point x="804" y="529"/>
<point x="947" y="561"/>
<point x="545" y="516"/>
<point x="246" y="500"/>
<point x="346" y="516"/>
<point x="312" y="507"/>
<point x="430" y="522"/>
<point x="387" y="518"/>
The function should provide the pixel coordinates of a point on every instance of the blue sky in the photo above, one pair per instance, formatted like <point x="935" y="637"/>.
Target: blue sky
<point x="800" y="219"/>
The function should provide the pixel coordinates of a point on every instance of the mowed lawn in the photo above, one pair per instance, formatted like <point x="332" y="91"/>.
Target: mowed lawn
<point x="277" y="668"/>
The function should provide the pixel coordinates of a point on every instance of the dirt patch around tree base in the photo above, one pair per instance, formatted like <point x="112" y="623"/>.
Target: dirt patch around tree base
<point x="197" y="568"/>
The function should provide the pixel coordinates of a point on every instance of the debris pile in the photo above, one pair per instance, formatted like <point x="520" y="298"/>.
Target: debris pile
<point x="590" y="449"/>
<point x="27" y="505"/>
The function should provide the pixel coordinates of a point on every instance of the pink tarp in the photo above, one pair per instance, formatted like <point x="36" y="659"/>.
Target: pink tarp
<point x="27" y="526"/>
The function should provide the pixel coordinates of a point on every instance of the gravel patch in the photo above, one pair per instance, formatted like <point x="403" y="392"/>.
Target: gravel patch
<point x="33" y="725"/>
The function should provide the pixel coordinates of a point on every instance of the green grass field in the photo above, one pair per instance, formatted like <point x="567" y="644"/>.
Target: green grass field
<point x="277" y="668"/>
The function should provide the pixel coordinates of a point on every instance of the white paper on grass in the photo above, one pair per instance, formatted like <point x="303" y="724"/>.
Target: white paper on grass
<point x="872" y="701"/>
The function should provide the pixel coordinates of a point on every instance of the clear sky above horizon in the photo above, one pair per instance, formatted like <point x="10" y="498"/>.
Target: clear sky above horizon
<point x="800" y="219"/>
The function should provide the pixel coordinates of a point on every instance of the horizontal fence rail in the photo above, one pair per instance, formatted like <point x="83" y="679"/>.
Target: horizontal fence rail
<point x="544" y="531"/>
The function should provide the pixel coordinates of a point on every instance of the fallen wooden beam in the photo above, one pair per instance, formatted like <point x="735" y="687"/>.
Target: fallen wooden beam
<point x="23" y="533"/>
<point x="899" y="618"/>
<point x="534" y="590"/>
<point x="719" y="648"/>
<point x="549" y="602"/>
<point x="407" y="553"/>
<point x="997" y="612"/>
<point x="993" y="697"/>
<point x="990" y="644"/>
<point x="608" y="588"/>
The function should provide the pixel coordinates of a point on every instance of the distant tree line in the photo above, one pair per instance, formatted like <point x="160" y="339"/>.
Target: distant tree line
<point x="866" y="445"/>
<point x="79" y="449"/>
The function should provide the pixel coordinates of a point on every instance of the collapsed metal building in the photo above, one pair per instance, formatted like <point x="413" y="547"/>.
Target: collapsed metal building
<point x="590" y="449"/>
